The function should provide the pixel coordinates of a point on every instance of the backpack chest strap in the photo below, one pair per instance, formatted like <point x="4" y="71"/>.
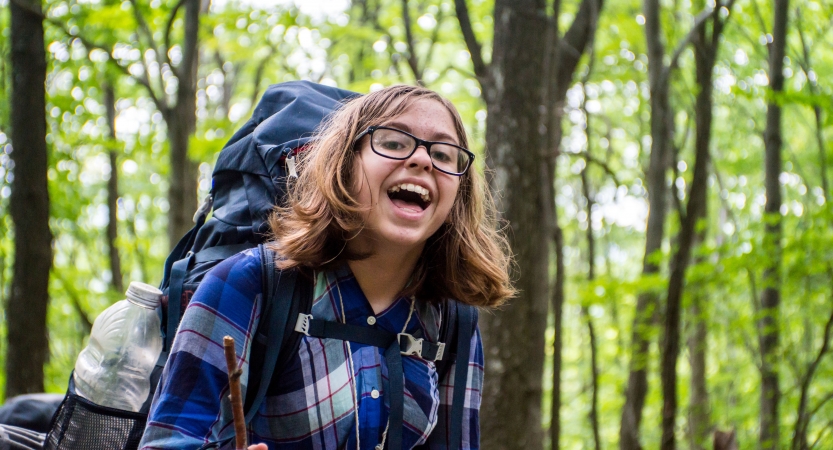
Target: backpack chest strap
<point x="408" y="344"/>
<point x="395" y="346"/>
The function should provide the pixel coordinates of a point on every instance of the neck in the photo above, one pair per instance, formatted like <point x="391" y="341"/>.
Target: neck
<point x="383" y="275"/>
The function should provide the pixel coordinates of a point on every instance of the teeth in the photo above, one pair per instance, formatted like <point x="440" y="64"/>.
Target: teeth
<point x="423" y="193"/>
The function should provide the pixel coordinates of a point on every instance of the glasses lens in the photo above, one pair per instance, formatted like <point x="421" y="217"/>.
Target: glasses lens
<point x="392" y="143"/>
<point x="449" y="158"/>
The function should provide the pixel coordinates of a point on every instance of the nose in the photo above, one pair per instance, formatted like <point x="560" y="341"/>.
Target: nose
<point x="420" y="159"/>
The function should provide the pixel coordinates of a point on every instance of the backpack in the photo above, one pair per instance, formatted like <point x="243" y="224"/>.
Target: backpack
<point x="249" y="178"/>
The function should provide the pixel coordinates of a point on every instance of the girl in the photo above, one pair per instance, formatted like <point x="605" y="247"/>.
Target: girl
<point x="389" y="221"/>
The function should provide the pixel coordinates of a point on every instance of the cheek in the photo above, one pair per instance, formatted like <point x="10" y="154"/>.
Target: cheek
<point x="449" y="200"/>
<point x="363" y="181"/>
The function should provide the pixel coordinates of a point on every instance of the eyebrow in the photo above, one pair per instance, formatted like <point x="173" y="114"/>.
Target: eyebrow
<point x="443" y="137"/>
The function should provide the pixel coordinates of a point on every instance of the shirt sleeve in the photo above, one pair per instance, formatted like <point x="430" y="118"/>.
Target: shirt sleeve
<point x="440" y="436"/>
<point x="190" y="407"/>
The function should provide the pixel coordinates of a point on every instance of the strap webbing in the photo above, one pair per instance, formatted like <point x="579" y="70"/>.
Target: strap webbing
<point x="278" y="297"/>
<point x="353" y="333"/>
<point x="178" y="272"/>
<point x="396" y="381"/>
<point x="221" y="252"/>
<point x="181" y="251"/>
<point x="408" y="345"/>
<point x="465" y="326"/>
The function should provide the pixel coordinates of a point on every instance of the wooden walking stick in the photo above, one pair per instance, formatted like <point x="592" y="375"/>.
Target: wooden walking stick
<point x="235" y="394"/>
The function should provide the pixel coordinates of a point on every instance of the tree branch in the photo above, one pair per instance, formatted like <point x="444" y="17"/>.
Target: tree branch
<point x="803" y="419"/>
<point x="409" y="39"/>
<point x="481" y="70"/>
<point x="720" y="24"/>
<point x="261" y="68"/>
<point x="168" y="27"/>
<point x="76" y="302"/>
<point x="681" y="46"/>
<point x="812" y="84"/>
<point x="89" y="45"/>
<point x="434" y="36"/>
<point x="823" y="401"/>
<point x="602" y="164"/>
<point x="143" y="25"/>
<point x="819" y="437"/>
<point x="572" y="45"/>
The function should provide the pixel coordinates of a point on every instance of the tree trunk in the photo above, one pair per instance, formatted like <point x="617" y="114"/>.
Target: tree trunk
<point x="514" y="336"/>
<point x="516" y="90"/>
<point x="803" y="417"/>
<point x="705" y="56"/>
<point x="771" y="296"/>
<point x="28" y="348"/>
<point x="560" y="70"/>
<point x="181" y="121"/>
<point x="591" y="266"/>
<point x="557" y="305"/>
<point x="117" y="281"/>
<point x="705" y="52"/>
<point x="699" y="412"/>
<point x="695" y="210"/>
<point x="646" y="303"/>
<point x="552" y="121"/>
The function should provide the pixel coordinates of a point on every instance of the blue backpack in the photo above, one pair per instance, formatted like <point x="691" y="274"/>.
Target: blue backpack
<point x="249" y="179"/>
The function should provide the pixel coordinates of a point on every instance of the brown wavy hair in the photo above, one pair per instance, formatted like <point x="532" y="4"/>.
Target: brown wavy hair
<point x="467" y="259"/>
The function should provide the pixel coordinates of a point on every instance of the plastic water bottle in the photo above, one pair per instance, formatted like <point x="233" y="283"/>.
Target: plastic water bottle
<point x="114" y="369"/>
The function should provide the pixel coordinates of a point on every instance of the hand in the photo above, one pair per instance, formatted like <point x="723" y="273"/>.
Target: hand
<point x="258" y="447"/>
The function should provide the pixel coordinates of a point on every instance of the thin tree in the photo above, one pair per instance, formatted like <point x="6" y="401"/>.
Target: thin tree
<point x="113" y="190"/>
<point x="591" y="251"/>
<point x="523" y="89"/>
<point x="705" y="54"/>
<point x="804" y="413"/>
<point x="659" y="74"/>
<point x="768" y="323"/>
<point x="28" y="348"/>
<point x="591" y="269"/>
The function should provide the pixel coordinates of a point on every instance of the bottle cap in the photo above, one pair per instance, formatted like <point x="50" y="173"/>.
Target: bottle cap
<point x="144" y="295"/>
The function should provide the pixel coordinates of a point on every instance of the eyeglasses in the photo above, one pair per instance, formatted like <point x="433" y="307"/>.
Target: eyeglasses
<point x="397" y="144"/>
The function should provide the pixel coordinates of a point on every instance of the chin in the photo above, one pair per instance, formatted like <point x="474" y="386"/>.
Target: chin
<point x="405" y="239"/>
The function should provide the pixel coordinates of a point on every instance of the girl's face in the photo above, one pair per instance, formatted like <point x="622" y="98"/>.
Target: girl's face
<point x="398" y="214"/>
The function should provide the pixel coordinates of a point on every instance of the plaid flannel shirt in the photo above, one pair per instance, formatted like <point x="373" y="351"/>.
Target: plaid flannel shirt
<point x="315" y="405"/>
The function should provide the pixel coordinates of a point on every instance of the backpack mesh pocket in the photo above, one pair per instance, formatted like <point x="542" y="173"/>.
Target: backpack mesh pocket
<point x="83" y="425"/>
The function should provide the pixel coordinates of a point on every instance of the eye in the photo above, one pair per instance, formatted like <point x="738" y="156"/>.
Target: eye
<point x="391" y="144"/>
<point x="443" y="154"/>
<point x="392" y="141"/>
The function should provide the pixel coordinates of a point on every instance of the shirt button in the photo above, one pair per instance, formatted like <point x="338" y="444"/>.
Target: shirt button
<point x="371" y="321"/>
<point x="374" y="393"/>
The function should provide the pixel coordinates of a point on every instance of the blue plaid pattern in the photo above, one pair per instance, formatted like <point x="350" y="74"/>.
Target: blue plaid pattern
<point x="314" y="408"/>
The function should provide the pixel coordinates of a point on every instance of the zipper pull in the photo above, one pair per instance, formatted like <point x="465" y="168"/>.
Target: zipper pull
<point x="290" y="164"/>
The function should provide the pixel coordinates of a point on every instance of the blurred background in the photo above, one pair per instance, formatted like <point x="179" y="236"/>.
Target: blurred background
<point x="661" y="167"/>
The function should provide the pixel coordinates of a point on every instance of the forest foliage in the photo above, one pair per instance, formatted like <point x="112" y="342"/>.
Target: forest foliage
<point x="602" y="161"/>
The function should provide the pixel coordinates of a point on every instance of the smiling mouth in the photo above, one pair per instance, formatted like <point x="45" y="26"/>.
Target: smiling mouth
<point x="406" y="194"/>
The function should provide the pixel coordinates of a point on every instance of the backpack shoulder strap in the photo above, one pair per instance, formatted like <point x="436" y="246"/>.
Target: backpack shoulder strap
<point x="279" y="294"/>
<point x="466" y="316"/>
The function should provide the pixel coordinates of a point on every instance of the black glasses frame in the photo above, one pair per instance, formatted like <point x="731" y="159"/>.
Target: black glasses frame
<point x="427" y="144"/>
